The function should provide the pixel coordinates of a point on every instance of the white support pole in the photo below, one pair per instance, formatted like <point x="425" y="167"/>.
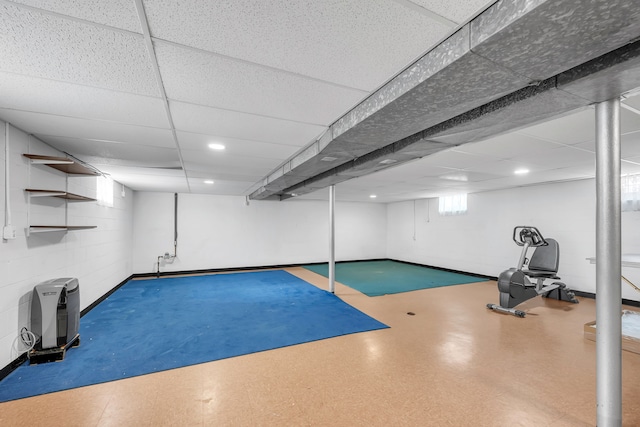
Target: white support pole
<point x="332" y="240"/>
<point x="608" y="267"/>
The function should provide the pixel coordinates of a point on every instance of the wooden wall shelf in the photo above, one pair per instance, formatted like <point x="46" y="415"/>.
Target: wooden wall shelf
<point x="63" y="164"/>
<point x="69" y="167"/>
<point x="49" y="228"/>
<point x="60" y="194"/>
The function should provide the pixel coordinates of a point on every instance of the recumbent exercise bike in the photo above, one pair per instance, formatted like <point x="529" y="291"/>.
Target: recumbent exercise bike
<point x="514" y="284"/>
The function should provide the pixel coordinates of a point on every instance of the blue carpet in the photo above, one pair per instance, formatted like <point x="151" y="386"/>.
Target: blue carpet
<point x="158" y="324"/>
<point x="375" y="278"/>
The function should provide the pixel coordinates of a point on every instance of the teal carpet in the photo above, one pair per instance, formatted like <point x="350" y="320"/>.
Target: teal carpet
<point x="375" y="278"/>
<point x="158" y="324"/>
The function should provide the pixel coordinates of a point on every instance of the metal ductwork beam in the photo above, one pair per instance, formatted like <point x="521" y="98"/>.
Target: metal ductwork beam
<point x="501" y="71"/>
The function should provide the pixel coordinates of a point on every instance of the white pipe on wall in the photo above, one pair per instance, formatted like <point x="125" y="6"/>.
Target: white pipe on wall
<point x="8" y="232"/>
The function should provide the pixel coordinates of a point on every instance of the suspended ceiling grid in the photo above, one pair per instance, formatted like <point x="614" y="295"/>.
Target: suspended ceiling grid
<point x="264" y="78"/>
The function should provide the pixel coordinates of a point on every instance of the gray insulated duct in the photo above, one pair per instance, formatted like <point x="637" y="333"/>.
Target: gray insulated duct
<point x="517" y="63"/>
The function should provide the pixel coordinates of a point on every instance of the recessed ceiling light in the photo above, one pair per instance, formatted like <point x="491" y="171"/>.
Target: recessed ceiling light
<point x="216" y="146"/>
<point x="208" y="181"/>
<point x="328" y="159"/>
<point x="521" y="171"/>
<point x="387" y="161"/>
<point x="294" y="194"/>
<point x="373" y="196"/>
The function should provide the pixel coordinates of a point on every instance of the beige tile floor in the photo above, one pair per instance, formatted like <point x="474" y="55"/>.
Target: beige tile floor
<point x="453" y="363"/>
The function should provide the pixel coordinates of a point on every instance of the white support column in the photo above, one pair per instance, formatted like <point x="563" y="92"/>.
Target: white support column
<point x="608" y="267"/>
<point x="332" y="240"/>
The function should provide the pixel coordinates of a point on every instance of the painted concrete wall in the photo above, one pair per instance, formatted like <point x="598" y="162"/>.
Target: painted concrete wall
<point x="223" y="232"/>
<point x="480" y="240"/>
<point x="100" y="258"/>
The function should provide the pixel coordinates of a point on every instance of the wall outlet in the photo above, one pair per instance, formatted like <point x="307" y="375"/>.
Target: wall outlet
<point x="8" y="232"/>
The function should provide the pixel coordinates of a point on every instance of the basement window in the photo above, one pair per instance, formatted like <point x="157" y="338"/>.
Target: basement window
<point x="104" y="191"/>
<point x="453" y="205"/>
<point x="630" y="192"/>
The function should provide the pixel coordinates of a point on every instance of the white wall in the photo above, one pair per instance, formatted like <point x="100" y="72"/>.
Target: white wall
<point x="100" y="258"/>
<point x="221" y="231"/>
<point x="480" y="241"/>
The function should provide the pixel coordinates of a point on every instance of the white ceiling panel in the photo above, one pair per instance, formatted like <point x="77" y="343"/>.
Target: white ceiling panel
<point x="212" y="80"/>
<point x="456" y="159"/>
<point x="632" y="166"/>
<point x="630" y="145"/>
<point x="570" y="129"/>
<point x="633" y="100"/>
<point x="198" y="170"/>
<point x="407" y="171"/>
<point x="43" y="96"/>
<point x="459" y="12"/>
<point x="435" y="182"/>
<point x="237" y="147"/>
<point x="120" y="170"/>
<point x="468" y="176"/>
<point x="579" y="127"/>
<point x="356" y="43"/>
<point x="362" y="184"/>
<point x="226" y="163"/>
<point x="140" y="154"/>
<point x="75" y="128"/>
<point x="561" y="157"/>
<point x="503" y="167"/>
<point x="219" y="187"/>
<point x="233" y="124"/>
<point x="114" y="13"/>
<point x="263" y="78"/>
<point x="248" y="180"/>
<point x="144" y="182"/>
<point x="508" y="146"/>
<point x="49" y="46"/>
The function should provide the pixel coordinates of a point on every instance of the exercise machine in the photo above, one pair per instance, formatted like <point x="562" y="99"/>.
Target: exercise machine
<point x="514" y="284"/>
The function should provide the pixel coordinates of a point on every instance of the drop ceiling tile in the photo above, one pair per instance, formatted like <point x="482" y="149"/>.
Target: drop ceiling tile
<point x="138" y="154"/>
<point x="456" y="159"/>
<point x="629" y="145"/>
<point x="507" y="146"/>
<point x="233" y="124"/>
<point x="69" y="127"/>
<point x="630" y="167"/>
<point x="504" y="168"/>
<point x="212" y="80"/>
<point x="570" y="129"/>
<point x="559" y="158"/>
<point x="144" y="182"/>
<point x="629" y="121"/>
<point x="234" y="146"/>
<point x="235" y="176"/>
<point x="114" y="169"/>
<point x="224" y="160"/>
<point x="219" y="187"/>
<point x="221" y="170"/>
<point x="114" y="13"/>
<point x="48" y="46"/>
<point x="456" y="11"/>
<point x="633" y="100"/>
<point x="466" y="177"/>
<point x="356" y="43"/>
<point x="227" y="163"/>
<point x="435" y="182"/>
<point x="66" y="99"/>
